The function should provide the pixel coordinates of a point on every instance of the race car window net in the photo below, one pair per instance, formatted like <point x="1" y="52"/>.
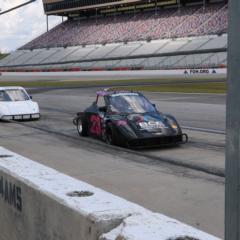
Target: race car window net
<point x="130" y="104"/>
<point x="13" y="95"/>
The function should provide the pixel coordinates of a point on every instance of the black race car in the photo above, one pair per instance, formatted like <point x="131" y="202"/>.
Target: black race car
<point x="128" y="119"/>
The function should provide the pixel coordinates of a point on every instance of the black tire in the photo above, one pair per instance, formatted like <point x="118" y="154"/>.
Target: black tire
<point x="82" y="128"/>
<point x="109" y="137"/>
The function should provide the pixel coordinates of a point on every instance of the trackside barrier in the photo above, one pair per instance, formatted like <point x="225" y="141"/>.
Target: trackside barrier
<point x="37" y="202"/>
<point x="182" y="71"/>
<point x="117" y="75"/>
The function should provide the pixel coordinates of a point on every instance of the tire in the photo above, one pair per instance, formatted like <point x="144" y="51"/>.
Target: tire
<point x="109" y="138"/>
<point x="82" y="128"/>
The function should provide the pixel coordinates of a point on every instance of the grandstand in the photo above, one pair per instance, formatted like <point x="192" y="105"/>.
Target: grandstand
<point x="136" y="35"/>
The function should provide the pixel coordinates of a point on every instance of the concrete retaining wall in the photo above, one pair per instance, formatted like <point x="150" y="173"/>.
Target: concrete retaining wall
<point x="39" y="203"/>
<point x="115" y="75"/>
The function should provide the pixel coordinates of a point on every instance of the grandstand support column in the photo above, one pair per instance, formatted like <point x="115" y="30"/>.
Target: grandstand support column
<point x="204" y="5"/>
<point x="47" y="22"/>
<point x="232" y="184"/>
<point x="179" y="5"/>
<point x="155" y="7"/>
<point x="96" y="16"/>
<point x="115" y="12"/>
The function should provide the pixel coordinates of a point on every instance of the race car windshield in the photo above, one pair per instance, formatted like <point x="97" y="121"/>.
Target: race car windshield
<point x="130" y="103"/>
<point x="13" y="95"/>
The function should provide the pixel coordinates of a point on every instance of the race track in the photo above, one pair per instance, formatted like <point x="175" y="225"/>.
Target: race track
<point x="185" y="182"/>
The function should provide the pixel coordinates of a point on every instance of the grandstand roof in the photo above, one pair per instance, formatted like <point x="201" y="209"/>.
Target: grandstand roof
<point x="66" y="8"/>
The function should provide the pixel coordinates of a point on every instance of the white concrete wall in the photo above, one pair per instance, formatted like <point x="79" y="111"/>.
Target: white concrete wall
<point x="113" y="75"/>
<point x="34" y="205"/>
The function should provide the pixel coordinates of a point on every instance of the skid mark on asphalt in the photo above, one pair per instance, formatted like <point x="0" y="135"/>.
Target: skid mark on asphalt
<point x="132" y="155"/>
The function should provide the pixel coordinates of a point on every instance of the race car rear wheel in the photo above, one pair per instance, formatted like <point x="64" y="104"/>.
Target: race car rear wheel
<point x="109" y="135"/>
<point x="81" y="128"/>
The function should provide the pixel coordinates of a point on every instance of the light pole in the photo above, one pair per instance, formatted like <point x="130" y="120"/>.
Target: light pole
<point x="232" y="187"/>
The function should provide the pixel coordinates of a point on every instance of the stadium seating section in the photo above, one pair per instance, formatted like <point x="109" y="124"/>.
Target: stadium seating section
<point x="168" y="23"/>
<point x="96" y="56"/>
<point x="97" y="43"/>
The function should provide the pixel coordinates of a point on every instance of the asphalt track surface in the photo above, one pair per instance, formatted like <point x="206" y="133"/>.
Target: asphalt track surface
<point x="185" y="182"/>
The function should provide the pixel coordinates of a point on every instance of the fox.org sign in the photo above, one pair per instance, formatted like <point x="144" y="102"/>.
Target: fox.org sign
<point x="200" y="71"/>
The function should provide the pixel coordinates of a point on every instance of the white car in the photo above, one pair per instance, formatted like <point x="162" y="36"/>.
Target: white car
<point x="16" y="104"/>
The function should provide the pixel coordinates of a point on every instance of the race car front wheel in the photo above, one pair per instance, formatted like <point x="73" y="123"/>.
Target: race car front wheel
<point x="81" y="128"/>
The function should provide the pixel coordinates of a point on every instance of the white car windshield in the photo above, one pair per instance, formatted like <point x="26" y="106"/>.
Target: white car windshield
<point x="13" y="95"/>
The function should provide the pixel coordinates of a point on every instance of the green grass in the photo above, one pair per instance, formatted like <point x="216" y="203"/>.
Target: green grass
<point x="3" y="55"/>
<point x="182" y="88"/>
<point x="47" y="83"/>
<point x="163" y="86"/>
<point x="75" y="83"/>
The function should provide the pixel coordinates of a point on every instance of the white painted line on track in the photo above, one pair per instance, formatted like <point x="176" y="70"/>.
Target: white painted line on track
<point x="204" y="130"/>
<point x="187" y="93"/>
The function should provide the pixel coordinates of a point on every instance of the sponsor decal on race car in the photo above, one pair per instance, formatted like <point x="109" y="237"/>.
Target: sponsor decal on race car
<point x="121" y="123"/>
<point x="95" y="128"/>
<point x="151" y="125"/>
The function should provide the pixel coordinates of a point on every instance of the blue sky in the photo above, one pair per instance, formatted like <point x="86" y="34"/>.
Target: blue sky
<point x="22" y="25"/>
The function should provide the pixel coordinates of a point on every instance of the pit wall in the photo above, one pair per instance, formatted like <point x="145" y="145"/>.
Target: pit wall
<point x="39" y="203"/>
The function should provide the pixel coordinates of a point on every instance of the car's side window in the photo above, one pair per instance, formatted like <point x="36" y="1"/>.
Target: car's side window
<point x="101" y="104"/>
